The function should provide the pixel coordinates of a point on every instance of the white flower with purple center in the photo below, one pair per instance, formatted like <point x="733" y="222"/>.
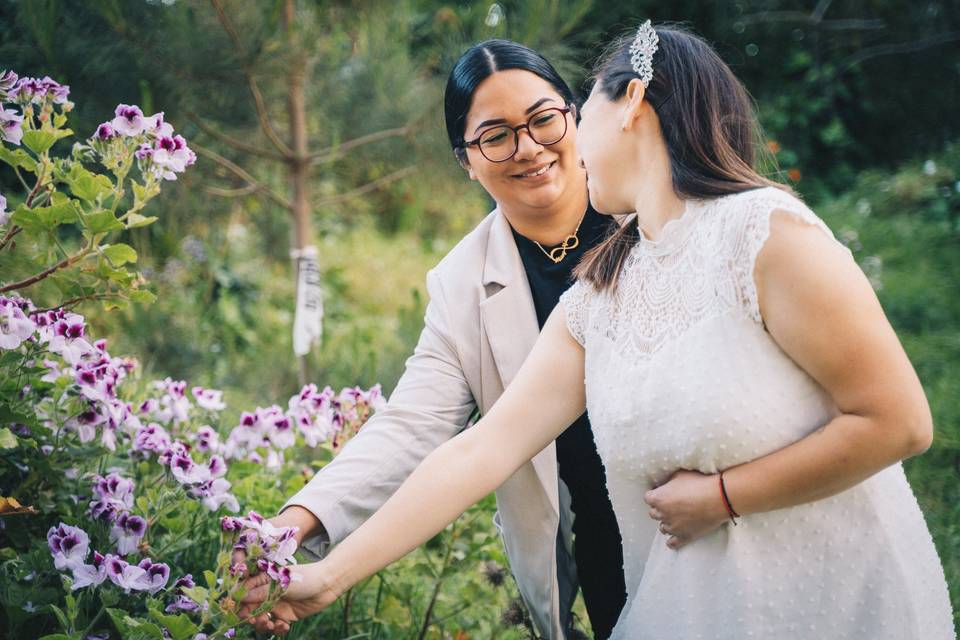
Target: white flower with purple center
<point x="4" y="215"/>
<point x="8" y="79"/>
<point x="128" y="577"/>
<point x="105" y="132"/>
<point x="127" y="531"/>
<point x="180" y="601"/>
<point x="185" y="470"/>
<point x="68" y="545"/>
<point x="155" y="576"/>
<point x="114" y="495"/>
<point x="128" y="120"/>
<point x="11" y="126"/>
<point x="15" y="326"/>
<point x="151" y="438"/>
<point x="156" y="127"/>
<point x="207" y="439"/>
<point x="209" y="398"/>
<point x="86" y="575"/>
<point x="214" y="494"/>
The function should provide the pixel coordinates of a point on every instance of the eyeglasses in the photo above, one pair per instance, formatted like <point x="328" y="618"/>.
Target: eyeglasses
<point x="500" y="143"/>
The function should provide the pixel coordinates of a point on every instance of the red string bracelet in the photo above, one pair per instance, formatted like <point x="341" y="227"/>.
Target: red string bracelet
<point x="726" y="501"/>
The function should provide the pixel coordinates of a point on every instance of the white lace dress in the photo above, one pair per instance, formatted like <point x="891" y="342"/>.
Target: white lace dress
<point x="680" y="373"/>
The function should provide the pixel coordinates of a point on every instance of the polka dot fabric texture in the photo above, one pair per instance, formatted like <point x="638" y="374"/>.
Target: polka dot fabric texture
<point x="680" y="373"/>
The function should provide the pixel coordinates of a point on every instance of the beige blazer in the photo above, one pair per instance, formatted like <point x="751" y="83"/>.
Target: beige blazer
<point x="480" y="325"/>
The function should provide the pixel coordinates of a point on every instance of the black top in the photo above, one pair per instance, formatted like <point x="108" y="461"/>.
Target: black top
<point x="598" y="550"/>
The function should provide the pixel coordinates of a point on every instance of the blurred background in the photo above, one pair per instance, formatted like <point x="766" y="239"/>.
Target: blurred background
<point x="858" y="99"/>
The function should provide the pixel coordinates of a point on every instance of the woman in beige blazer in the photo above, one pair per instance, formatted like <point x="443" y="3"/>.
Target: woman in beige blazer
<point x="511" y="120"/>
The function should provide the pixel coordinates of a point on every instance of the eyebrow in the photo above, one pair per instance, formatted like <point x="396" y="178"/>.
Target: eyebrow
<point x="529" y="110"/>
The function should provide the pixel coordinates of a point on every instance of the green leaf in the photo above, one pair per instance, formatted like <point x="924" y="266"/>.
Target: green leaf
<point x="211" y="578"/>
<point x="18" y="159"/>
<point x="38" y="141"/>
<point x="132" y="628"/>
<point x="135" y="220"/>
<point x="197" y="594"/>
<point x="57" y="214"/>
<point x="61" y="616"/>
<point x="179" y="626"/>
<point x="87" y="185"/>
<point x="120" y="254"/>
<point x="57" y="636"/>
<point x="142" y="295"/>
<point x="7" y="439"/>
<point x="102" y="221"/>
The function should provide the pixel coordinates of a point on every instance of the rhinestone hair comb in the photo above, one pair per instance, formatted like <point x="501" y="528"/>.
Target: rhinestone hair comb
<point x="641" y="52"/>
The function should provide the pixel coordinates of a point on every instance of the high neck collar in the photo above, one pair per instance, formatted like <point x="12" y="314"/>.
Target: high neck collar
<point x="673" y="234"/>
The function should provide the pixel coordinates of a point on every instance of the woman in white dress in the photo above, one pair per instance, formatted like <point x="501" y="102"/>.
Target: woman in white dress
<point x="748" y="397"/>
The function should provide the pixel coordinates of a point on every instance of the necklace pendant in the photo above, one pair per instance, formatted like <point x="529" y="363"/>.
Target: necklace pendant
<point x="572" y="242"/>
<point x="557" y="254"/>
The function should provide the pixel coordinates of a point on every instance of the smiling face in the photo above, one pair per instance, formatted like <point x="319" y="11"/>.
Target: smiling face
<point x="538" y="177"/>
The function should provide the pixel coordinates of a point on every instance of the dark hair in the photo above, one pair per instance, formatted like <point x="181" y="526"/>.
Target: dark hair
<point x="479" y="63"/>
<point x="708" y="124"/>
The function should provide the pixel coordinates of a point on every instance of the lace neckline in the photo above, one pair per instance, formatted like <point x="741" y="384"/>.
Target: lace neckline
<point x="673" y="234"/>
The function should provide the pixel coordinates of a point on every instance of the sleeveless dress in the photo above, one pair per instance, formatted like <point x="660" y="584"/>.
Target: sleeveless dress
<point x="680" y="373"/>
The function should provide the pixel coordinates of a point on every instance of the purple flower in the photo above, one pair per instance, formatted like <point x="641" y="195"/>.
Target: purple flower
<point x="181" y="602"/>
<point x="156" y="575"/>
<point x="186" y="471"/>
<point x="105" y="132"/>
<point x="214" y="494"/>
<point x="15" y="326"/>
<point x="151" y="437"/>
<point x="114" y="495"/>
<point x="129" y="120"/>
<point x="69" y="546"/>
<point x="144" y="152"/>
<point x="229" y="523"/>
<point x="128" y="577"/>
<point x="86" y="575"/>
<point x="207" y="439"/>
<point x="209" y="399"/>
<point x="156" y="127"/>
<point x="127" y="531"/>
<point x="8" y="79"/>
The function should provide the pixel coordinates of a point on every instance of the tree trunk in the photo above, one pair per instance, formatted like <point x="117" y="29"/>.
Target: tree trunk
<point x="299" y="163"/>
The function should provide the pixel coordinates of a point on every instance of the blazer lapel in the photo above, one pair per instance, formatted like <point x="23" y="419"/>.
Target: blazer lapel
<point x="510" y="324"/>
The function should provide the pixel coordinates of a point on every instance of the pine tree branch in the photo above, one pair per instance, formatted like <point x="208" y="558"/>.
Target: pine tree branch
<point x="324" y="155"/>
<point x="239" y="145"/>
<point x="902" y="47"/>
<point x="242" y="174"/>
<point x="370" y="186"/>
<point x="258" y="101"/>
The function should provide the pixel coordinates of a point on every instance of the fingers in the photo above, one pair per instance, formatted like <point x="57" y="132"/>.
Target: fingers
<point x="257" y="587"/>
<point x="655" y="514"/>
<point x="674" y="542"/>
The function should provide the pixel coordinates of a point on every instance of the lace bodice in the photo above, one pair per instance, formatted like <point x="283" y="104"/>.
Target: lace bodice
<point x="701" y="268"/>
<point x="680" y="373"/>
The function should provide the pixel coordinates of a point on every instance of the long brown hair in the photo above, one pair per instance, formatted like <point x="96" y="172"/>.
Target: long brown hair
<point x="708" y="124"/>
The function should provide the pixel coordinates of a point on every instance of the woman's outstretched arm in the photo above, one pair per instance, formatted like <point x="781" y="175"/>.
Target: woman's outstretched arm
<point x="820" y="309"/>
<point x="546" y="396"/>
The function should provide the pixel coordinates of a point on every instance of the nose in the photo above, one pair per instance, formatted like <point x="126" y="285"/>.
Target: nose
<point x="527" y="147"/>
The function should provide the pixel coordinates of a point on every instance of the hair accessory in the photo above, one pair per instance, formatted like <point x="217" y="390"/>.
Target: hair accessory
<point x="641" y="52"/>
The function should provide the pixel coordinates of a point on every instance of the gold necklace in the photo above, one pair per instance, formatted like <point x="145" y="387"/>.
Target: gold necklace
<point x="557" y="254"/>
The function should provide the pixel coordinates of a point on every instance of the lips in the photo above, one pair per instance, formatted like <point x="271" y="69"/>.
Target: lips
<point x="535" y="172"/>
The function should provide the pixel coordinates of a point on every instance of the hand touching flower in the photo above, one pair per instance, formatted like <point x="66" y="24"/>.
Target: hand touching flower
<point x="310" y="591"/>
<point x="688" y="506"/>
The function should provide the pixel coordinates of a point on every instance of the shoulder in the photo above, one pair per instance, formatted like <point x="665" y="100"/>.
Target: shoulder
<point x="464" y="262"/>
